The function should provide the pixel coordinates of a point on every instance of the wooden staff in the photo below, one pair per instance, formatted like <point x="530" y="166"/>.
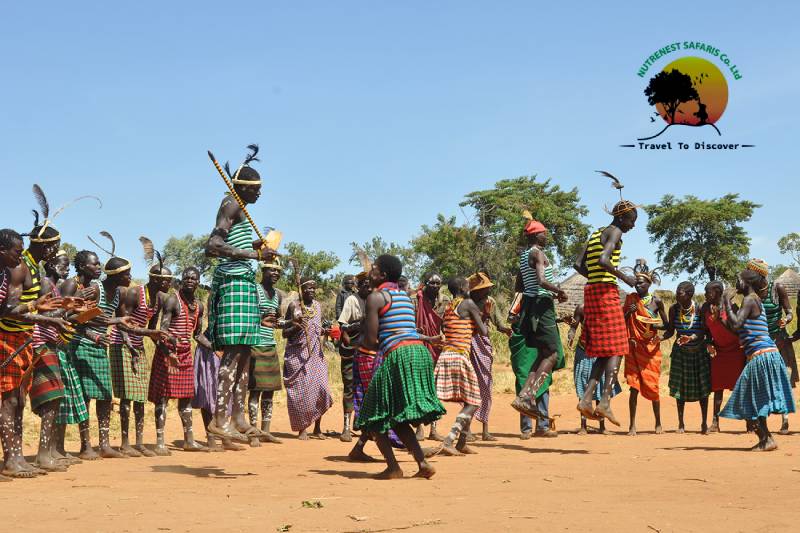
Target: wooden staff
<point x="11" y="357"/>
<point x="236" y="196"/>
<point x="296" y="269"/>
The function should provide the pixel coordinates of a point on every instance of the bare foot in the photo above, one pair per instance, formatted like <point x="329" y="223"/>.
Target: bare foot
<point x="194" y="446"/>
<point x="426" y="471"/>
<point x="254" y="442"/>
<point x="162" y="450"/>
<point x="704" y="429"/>
<point x="526" y="407"/>
<point x="128" y="450"/>
<point x="587" y="410"/>
<point x="107" y="452"/>
<point x="390" y="473"/>
<point x="714" y="427"/>
<point x="346" y="436"/>
<point x="14" y="470"/>
<point x="229" y="445"/>
<point x="604" y="411"/>
<point x="303" y="435"/>
<point x="357" y="455"/>
<point x="471" y="437"/>
<point x="145" y="451"/>
<point x="632" y="431"/>
<point x="488" y="437"/>
<point x="319" y="435"/>
<point x="659" y="430"/>
<point x="769" y="445"/>
<point x="89" y="454"/>
<point x="435" y="436"/>
<point x="466" y="450"/>
<point x="432" y="451"/>
<point x="211" y="444"/>
<point x="582" y="431"/>
<point x="784" y="428"/>
<point x="4" y="479"/>
<point x="681" y="430"/>
<point x="269" y="437"/>
<point x="48" y="464"/>
<point x="450" y="451"/>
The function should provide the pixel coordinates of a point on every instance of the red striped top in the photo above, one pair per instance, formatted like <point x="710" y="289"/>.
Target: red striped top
<point x="141" y="315"/>
<point x="182" y="326"/>
<point x="457" y="331"/>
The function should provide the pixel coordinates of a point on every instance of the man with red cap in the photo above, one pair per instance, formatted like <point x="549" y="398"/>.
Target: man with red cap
<point x="537" y="314"/>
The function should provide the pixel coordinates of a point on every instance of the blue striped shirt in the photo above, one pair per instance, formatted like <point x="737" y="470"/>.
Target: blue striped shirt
<point x="754" y="335"/>
<point x="397" y="322"/>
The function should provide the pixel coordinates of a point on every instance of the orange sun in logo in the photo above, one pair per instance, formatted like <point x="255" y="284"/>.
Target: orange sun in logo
<point x="705" y="100"/>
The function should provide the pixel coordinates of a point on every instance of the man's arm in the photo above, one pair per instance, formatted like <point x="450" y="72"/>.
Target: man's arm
<point x="612" y="236"/>
<point x="783" y="300"/>
<point x="670" y="329"/>
<point x="475" y="314"/>
<point x="580" y="262"/>
<point x="216" y="246"/>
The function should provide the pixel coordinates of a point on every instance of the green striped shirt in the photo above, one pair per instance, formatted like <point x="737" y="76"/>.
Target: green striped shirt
<point x="267" y="305"/>
<point x="240" y="236"/>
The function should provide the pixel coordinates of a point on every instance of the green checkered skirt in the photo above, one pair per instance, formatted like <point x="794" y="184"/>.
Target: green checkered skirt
<point x="129" y="377"/>
<point x="234" y="318"/>
<point x="94" y="370"/>
<point x="689" y="373"/>
<point x="265" y="369"/>
<point x="402" y="390"/>
<point x="72" y="409"/>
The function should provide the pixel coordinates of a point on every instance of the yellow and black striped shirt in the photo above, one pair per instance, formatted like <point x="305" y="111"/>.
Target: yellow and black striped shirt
<point x="30" y="294"/>
<point x="593" y="252"/>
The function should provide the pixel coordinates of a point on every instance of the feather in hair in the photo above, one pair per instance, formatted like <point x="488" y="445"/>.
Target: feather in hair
<point x="35" y="218"/>
<point x="363" y="258"/>
<point x="228" y="169"/>
<point x="108" y="236"/>
<point x="99" y="246"/>
<point x="41" y="199"/>
<point x="75" y="200"/>
<point x="160" y="259"/>
<point x="149" y="249"/>
<point x="252" y="156"/>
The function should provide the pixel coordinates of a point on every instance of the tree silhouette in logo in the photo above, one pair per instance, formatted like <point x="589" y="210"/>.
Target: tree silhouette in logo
<point x="671" y="89"/>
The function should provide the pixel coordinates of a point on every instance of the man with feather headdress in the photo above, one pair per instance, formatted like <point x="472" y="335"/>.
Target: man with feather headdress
<point x="234" y="317"/>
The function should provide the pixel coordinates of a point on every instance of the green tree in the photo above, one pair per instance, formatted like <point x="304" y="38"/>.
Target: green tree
<point x="377" y="246"/>
<point x="316" y="265"/>
<point x="70" y="249"/>
<point x="790" y="245"/>
<point x="448" y="248"/>
<point x="701" y="237"/>
<point x="777" y="270"/>
<point x="182" y="252"/>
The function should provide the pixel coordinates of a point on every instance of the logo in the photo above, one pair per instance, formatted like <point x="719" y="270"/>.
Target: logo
<point x="690" y="91"/>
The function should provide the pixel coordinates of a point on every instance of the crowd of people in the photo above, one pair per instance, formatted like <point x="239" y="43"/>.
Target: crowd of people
<point x="67" y="340"/>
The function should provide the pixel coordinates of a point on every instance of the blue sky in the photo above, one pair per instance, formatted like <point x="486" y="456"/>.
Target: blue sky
<point x="375" y="116"/>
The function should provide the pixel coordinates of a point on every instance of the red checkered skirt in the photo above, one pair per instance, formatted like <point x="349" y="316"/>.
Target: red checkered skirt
<point x="46" y="385"/>
<point x="11" y="375"/>
<point x="456" y="380"/>
<point x="168" y="381"/>
<point x="604" y="321"/>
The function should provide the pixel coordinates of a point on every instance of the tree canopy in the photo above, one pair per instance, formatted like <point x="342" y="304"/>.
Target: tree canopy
<point x="183" y="252"/>
<point x="701" y="237"/>
<point x="315" y="265"/>
<point x="670" y="89"/>
<point x="377" y="246"/>
<point x="790" y="245"/>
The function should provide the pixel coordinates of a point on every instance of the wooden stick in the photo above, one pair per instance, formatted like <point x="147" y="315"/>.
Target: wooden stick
<point x="236" y="196"/>
<point x="296" y="269"/>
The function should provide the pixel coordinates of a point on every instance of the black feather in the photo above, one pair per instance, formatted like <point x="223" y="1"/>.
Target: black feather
<point x="149" y="249"/>
<point x="35" y="218"/>
<point x="160" y="261"/>
<point x="108" y="236"/>
<point x="252" y="156"/>
<point x="616" y="183"/>
<point x="41" y="199"/>
<point x="98" y="245"/>
<point x="228" y="169"/>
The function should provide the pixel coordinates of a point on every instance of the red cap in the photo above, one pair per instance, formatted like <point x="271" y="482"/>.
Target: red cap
<point x="534" y="226"/>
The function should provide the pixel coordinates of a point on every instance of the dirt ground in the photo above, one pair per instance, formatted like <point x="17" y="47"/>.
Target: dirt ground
<point x="650" y="483"/>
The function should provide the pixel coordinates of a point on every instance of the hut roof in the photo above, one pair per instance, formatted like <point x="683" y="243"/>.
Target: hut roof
<point x="791" y="280"/>
<point x="573" y="286"/>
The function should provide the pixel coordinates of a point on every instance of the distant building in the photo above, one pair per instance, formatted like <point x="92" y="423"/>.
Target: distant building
<point x="791" y="280"/>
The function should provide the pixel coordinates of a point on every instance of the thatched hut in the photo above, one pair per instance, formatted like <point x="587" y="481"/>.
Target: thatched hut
<point x="573" y="286"/>
<point x="791" y="280"/>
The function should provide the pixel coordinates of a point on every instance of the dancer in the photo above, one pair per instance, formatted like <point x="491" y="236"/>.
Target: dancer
<point x="130" y="369"/>
<point x="727" y="356"/>
<point x="583" y="367"/>
<point x="481" y="351"/>
<point x="779" y="314"/>
<point x="429" y="308"/>
<point x="690" y="364"/>
<point x="604" y="321"/>
<point x="456" y="380"/>
<point x="645" y="315"/>
<point x="88" y="348"/>
<point x="233" y="316"/>
<point x="537" y="316"/>
<point x="305" y="370"/>
<point x="265" y="369"/>
<point x="764" y="387"/>
<point x="172" y="375"/>
<point x="350" y="323"/>
<point x="402" y="390"/>
<point x="22" y="296"/>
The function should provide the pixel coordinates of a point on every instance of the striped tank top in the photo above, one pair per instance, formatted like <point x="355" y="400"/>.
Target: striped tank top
<point x="754" y="335"/>
<point x="457" y="331"/>
<point x="31" y="294"/>
<point x="141" y="316"/>
<point x="108" y="308"/>
<point x="530" y="278"/>
<point x="240" y="236"/>
<point x="688" y="323"/>
<point x="267" y="305"/>
<point x="183" y="325"/>
<point x="396" y="321"/>
<point x="773" y="311"/>
<point x="43" y="334"/>
<point x="594" y="250"/>
<point x="3" y="285"/>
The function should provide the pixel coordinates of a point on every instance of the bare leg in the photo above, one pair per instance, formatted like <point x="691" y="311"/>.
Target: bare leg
<point x="715" y="417"/>
<point x="103" y="427"/>
<point x="211" y="440"/>
<point x="124" y="422"/>
<point x="634" y="395"/>
<point x="704" y="414"/>
<point x="44" y="458"/>
<point x="610" y="379"/>
<point x="485" y="433"/>
<point x="318" y="434"/>
<point x="266" y="418"/>
<point x="406" y="435"/>
<point x="11" y="439"/>
<point x="240" y="393"/>
<point x="138" y="414"/>
<point x="393" y="470"/>
<point x="460" y="426"/>
<point x="87" y="453"/>
<point x="657" y="415"/>
<point x="434" y="435"/>
<point x="681" y="425"/>
<point x="357" y="454"/>
<point x="161" y="421"/>
<point x="525" y="402"/>
<point x="346" y="435"/>
<point x="185" y="410"/>
<point x="226" y="383"/>
<point x="585" y="404"/>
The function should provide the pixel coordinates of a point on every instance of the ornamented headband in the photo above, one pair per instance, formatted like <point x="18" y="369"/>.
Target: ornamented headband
<point x="623" y="206"/>
<point x="112" y="253"/>
<point x="151" y="255"/>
